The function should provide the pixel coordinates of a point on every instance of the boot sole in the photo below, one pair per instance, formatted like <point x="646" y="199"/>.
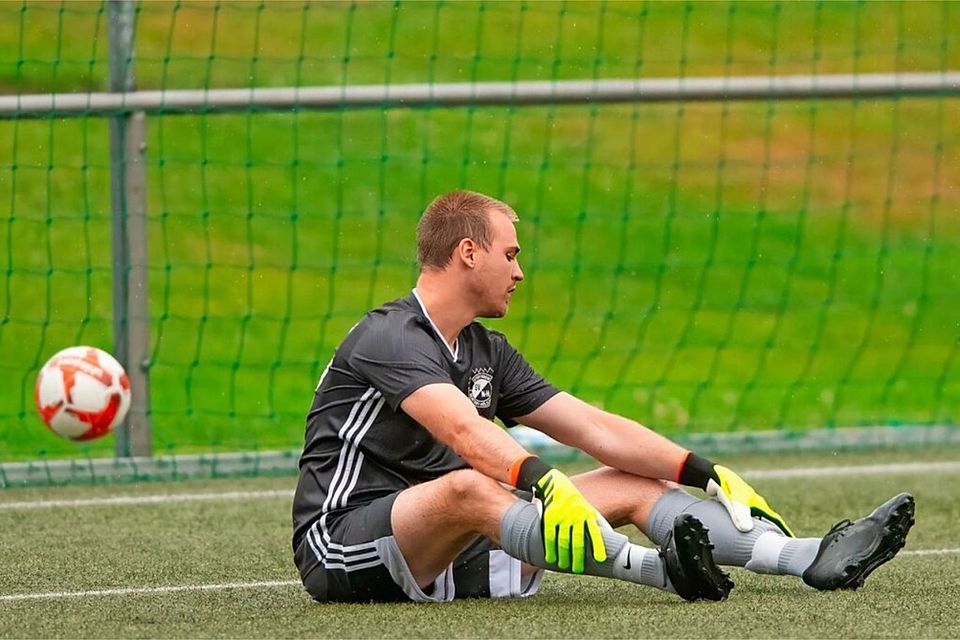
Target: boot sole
<point x="695" y="552"/>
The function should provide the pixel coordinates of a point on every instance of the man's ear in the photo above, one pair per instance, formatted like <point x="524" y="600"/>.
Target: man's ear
<point x="466" y="252"/>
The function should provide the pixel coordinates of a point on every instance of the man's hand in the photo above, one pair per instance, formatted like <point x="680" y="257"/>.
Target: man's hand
<point x="567" y="516"/>
<point x="742" y="501"/>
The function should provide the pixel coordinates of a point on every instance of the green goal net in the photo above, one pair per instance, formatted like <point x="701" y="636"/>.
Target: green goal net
<point x="703" y="267"/>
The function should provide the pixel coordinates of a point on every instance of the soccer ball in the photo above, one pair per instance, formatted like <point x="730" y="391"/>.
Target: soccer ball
<point x="82" y="393"/>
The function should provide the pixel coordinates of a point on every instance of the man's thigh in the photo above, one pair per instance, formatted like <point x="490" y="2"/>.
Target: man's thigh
<point x="435" y="521"/>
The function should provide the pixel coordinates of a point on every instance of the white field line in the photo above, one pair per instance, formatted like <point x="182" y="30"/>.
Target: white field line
<point x="802" y="472"/>
<point x="928" y="552"/>
<point x="868" y="469"/>
<point x="149" y="499"/>
<point x="148" y="590"/>
<point x="267" y="584"/>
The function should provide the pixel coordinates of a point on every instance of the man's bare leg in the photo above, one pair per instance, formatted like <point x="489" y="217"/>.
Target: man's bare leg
<point x="435" y="521"/>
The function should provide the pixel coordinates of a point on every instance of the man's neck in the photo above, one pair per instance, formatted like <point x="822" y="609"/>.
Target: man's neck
<point x="444" y="307"/>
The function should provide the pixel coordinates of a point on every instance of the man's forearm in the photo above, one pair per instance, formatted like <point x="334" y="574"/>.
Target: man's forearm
<point x="613" y="440"/>
<point x="487" y="448"/>
<point x="629" y="446"/>
<point x="448" y="415"/>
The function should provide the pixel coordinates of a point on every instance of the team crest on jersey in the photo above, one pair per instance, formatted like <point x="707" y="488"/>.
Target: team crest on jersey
<point x="480" y="389"/>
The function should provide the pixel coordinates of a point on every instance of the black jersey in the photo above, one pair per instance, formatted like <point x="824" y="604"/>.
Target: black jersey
<point x="359" y="443"/>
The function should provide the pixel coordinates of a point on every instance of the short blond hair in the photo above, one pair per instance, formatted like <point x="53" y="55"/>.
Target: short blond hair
<point x="452" y="217"/>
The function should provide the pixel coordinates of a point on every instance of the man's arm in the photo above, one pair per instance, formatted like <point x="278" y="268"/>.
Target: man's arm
<point x="629" y="446"/>
<point x="613" y="440"/>
<point x="452" y="419"/>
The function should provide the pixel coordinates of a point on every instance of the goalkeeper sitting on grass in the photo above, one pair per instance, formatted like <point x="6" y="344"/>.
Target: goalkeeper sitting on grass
<point x="409" y="491"/>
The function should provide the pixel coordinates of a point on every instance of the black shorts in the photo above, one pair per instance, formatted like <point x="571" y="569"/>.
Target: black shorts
<point x="355" y="558"/>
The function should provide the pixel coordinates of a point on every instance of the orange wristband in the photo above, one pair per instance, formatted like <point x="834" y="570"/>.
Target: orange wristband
<point x="515" y="468"/>
<point x="683" y="462"/>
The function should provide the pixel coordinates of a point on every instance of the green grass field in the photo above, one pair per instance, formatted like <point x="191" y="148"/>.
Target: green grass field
<point x="719" y="266"/>
<point x="174" y="545"/>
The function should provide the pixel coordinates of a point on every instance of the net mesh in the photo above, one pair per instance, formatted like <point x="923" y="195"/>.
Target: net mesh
<point x="701" y="267"/>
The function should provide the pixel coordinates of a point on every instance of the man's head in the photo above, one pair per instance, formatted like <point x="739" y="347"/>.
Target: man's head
<point x="470" y="237"/>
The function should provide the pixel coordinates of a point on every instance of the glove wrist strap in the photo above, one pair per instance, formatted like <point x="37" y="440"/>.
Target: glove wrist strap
<point x="527" y="471"/>
<point x="696" y="471"/>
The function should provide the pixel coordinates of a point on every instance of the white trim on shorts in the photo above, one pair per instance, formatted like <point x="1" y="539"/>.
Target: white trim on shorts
<point x="444" y="588"/>
<point x="506" y="576"/>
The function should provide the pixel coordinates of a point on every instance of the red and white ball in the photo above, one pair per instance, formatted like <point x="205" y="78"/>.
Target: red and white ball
<point x="82" y="393"/>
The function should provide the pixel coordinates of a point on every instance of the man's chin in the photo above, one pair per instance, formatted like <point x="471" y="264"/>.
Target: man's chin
<point x="494" y="313"/>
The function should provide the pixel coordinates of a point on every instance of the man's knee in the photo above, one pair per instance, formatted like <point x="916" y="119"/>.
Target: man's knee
<point x="458" y="503"/>
<point x="466" y="486"/>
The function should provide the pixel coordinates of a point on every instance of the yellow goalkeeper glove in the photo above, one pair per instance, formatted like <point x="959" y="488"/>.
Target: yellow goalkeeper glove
<point x="741" y="500"/>
<point x="568" y="519"/>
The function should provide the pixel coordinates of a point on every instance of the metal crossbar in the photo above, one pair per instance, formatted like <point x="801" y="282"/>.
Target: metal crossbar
<point x="399" y="96"/>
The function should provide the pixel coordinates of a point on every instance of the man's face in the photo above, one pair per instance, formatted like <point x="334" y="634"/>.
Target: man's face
<point x="498" y="270"/>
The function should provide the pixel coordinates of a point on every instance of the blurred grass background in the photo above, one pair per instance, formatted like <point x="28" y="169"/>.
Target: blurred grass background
<point x="716" y="266"/>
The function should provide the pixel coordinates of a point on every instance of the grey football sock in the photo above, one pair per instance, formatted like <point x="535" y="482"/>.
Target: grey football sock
<point x="664" y="512"/>
<point x="521" y="537"/>
<point x="773" y="553"/>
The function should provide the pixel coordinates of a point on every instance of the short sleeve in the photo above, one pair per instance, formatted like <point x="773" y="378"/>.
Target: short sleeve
<point x="523" y="390"/>
<point x="396" y="358"/>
